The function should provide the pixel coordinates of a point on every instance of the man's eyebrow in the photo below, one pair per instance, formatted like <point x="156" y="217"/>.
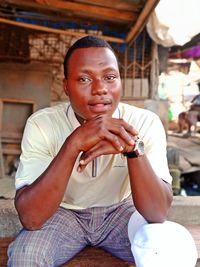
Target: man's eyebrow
<point x="110" y="69"/>
<point x="106" y="69"/>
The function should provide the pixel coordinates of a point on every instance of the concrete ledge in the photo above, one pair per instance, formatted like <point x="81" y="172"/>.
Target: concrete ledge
<point x="185" y="210"/>
<point x="9" y="222"/>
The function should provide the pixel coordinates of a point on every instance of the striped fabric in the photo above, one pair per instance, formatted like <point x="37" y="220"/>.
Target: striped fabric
<point x="67" y="232"/>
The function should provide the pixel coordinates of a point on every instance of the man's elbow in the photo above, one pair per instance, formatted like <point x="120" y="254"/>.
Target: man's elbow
<point x="27" y="216"/>
<point x="30" y="223"/>
<point x="28" y="220"/>
<point x="161" y="215"/>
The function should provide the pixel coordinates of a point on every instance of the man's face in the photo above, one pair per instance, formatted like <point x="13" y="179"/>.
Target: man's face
<point x="93" y="82"/>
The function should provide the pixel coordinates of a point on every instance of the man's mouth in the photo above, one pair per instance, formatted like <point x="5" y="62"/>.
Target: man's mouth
<point x="99" y="106"/>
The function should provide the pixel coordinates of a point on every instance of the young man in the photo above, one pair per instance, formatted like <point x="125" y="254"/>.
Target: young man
<point x="88" y="166"/>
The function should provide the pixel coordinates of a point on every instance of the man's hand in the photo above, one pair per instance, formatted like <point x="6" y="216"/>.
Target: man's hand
<point x="102" y="148"/>
<point x="105" y="136"/>
<point x="115" y="131"/>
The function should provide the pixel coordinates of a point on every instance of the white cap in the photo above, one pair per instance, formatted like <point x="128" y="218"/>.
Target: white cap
<point x="167" y="244"/>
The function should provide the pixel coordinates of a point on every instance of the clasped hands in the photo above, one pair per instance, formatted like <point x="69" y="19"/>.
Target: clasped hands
<point x="103" y="135"/>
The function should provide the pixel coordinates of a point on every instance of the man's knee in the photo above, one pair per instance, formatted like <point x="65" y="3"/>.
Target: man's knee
<point x="164" y="244"/>
<point x="29" y="254"/>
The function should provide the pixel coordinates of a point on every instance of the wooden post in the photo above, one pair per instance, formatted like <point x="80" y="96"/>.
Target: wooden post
<point x="2" y="172"/>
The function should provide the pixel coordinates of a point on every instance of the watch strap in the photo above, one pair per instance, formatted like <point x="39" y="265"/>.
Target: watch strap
<point x="132" y="154"/>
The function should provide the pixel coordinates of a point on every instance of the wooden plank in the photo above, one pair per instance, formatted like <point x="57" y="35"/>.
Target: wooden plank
<point x="4" y="242"/>
<point x="11" y="151"/>
<point x="95" y="257"/>
<point x="142" y="19"/>
<point x="2" y="170"/>
<point x="117" y="4"/>
<point x="89" y="257"/>
<point x="51" y="30"/>
<point x="109" y="13"/>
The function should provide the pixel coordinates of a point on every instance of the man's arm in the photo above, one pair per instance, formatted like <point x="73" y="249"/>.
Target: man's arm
<point x="152" y="196"/>
<point x="37" y="202"/>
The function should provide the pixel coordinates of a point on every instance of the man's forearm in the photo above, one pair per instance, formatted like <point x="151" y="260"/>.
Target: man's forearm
<point x="151" y="195"/>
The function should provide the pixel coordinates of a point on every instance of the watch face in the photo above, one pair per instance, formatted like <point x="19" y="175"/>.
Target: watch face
<point x="138" y="150"/>
<point x="139" y="147"/>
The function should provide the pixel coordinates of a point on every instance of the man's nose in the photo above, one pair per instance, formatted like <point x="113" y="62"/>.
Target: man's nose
<point x="99" y="88"/>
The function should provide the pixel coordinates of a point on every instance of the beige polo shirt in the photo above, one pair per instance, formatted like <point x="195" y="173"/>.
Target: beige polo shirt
<point x="46" y="131"/>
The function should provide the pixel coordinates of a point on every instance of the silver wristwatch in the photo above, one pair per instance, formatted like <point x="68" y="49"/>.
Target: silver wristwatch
<point x="137" y="151"/>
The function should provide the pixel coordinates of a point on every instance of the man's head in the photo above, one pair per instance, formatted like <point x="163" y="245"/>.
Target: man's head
<point x="92" y="79"/>
<point x="85" y="42"/>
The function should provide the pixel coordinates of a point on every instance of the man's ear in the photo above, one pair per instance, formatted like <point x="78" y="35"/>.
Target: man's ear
<point x="65" y="86"/>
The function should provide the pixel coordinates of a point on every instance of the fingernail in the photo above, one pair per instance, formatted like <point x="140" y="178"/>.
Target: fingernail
<point x="132" y="142"/>
<point x="82" y="162"/>
<point x="121" y="148"/>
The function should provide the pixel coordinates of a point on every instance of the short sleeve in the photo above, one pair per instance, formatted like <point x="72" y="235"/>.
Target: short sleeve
<point x="35" y="156"/>
<point x="155" y="148"/>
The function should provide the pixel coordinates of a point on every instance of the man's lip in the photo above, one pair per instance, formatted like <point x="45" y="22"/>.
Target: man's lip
<point x="100" y="106"/>
<point x="99" y="102"/>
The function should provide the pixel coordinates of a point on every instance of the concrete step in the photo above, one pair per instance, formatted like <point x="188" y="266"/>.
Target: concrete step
<point x="184" y="210"/>
<point x="9" y="222"/>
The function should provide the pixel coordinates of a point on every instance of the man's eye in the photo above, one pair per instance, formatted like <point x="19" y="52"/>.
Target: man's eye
<point x="84" y="79"/>
<point x="110" y="77"/>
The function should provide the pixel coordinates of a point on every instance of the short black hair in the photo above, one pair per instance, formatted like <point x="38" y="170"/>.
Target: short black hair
<point x="85" y="42"/>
